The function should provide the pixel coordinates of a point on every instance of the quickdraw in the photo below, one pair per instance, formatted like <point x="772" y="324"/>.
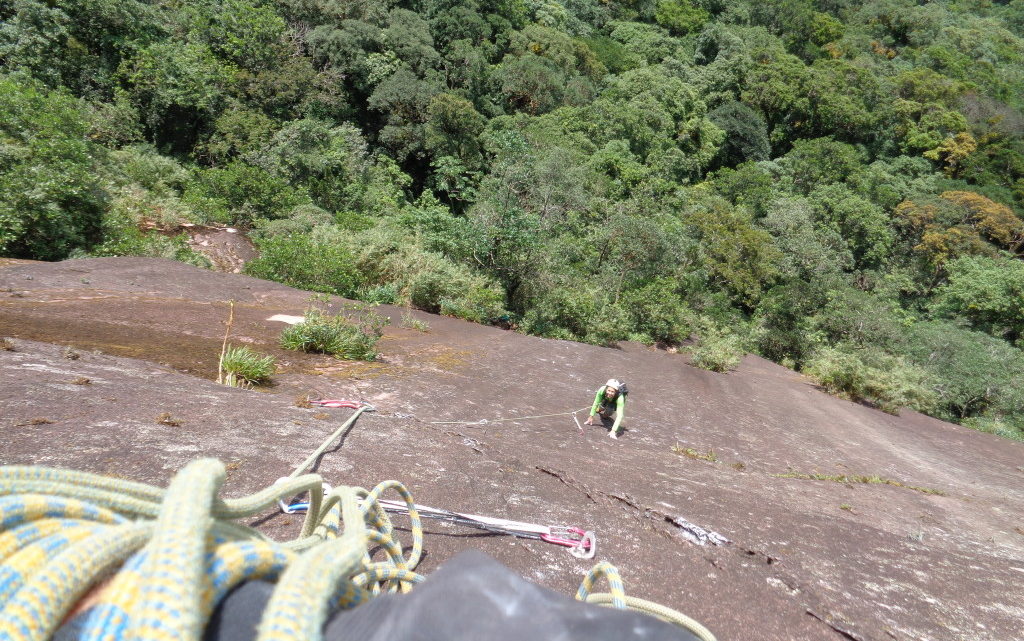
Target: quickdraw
<point x="582" y="543"/>
<point x="354" y="405"/>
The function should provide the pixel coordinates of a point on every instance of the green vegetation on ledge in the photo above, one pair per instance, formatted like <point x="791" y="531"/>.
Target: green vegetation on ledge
<point x="835" y="185"/>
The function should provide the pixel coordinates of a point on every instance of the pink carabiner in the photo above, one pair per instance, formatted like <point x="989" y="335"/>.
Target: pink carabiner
<point x="333" y="403"/>
<point x="569" y="543"/>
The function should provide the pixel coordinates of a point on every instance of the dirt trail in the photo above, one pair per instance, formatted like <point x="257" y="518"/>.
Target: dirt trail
<point x="809" y="559"/>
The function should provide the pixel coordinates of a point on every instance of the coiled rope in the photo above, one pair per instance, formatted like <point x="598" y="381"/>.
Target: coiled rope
<point x="178" y="552"/>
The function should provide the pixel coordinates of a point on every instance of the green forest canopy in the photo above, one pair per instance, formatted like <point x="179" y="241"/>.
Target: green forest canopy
<point x="835" y="185"/>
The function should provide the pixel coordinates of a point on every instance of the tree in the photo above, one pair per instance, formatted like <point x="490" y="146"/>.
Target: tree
<point x="50" y="199"/>
<point x="654" y="112"/>
<point x="986" y="292"/>
<point x="179" y="90"/>
<point x="995" y="221"/>
<point x="680" y="16"/>
<point x="250" y="35"/>
<point x="774" y="86"/>
<point x="531" y="83"/>
<point x="405" y="99"/>
<point x="746" y="134"/>
<point x="334" y="165"/>
<point x="953" y="152"/>
<point x="820" y="161"/>
<point x="862" y="224"/>
<point x="740" y="257"/>
<point x="974" y="373"/>
<point x="453" y="129"/>
<point x="810" y="251"/>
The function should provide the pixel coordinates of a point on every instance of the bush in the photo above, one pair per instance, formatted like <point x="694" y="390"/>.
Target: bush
<point x="316" y="262"/>
<point x="482" y="302"/>
<point x="379" y="294"/>
<point x="609" y="325"/>
<point x="986" y="292"/>
<point x="122" y="237"/>
<point x="717" y="351"/>
<point x="350" y="339"/>
<point x="243" y="367"/>
<point x="143" y="166"/>
<point x="886" y="381"/>
<point x="387" y="257"/>
<point x="300" y="220"/>
<point x="560" y="310"/>
<point x="50" y="200"/>
<point x="995" y="426"/>
<point x="658" y="311"/>
<point x="974" y="374"/>
<point x="240" y="193"/>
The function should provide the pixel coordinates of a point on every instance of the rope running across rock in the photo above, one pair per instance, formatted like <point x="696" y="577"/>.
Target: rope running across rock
<point x="178" y="551"/>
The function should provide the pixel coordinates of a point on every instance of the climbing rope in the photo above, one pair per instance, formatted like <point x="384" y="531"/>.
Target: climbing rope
<point x="178" y="551"/>
<point x="581" y="543"/>
<point x="485" y="421"/>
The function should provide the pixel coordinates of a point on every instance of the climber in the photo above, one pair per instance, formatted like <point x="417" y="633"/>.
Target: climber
<point x="610" y="398"/>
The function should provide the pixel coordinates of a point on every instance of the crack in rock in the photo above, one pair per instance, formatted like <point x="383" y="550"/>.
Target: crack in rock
<point x="838" y="627"/>
<point x="688" y="531"/>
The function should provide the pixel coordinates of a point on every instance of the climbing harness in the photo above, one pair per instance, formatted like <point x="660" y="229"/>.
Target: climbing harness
<point x="175" y="553"/>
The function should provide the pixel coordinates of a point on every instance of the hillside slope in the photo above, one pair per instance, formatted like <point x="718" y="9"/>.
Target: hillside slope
<point x="809" y="559"/>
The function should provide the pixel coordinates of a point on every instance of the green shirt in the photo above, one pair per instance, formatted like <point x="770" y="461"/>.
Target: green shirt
<point x="620" y="406"/>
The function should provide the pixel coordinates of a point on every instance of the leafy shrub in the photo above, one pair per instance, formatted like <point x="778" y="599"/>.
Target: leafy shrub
<point x="388" y="257"/>
<point x="609" y="325"/>
<point x="561" y="311"/>
<point x="411" y="322"/>
<point x="122" y="237"/>
<point x="241" y="193"/>
<point x="987" y="292"/>
<point x="316" y="261"/>
<point x="350" y="339"/>
<point x="717" y="351"/>
<point x="996" y="426"/>
<point x="479" y="304"/>
<point x="142" y="166"/>
<point x="243" y="367"/>
<point x="656" y="310"/>
<point x="887" y="381"/>
<point x="50" y="200"/>
<point x="973" y="373"/>
<point x="387" y="294"/>
<point x="300" y="220"/>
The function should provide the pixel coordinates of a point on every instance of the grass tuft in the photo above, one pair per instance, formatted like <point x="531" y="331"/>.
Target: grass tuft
<point x="6" y="345"/>
<point x="350" y="339"/>
<point x="39" y="420"/>
<point x="858" y="478"/>
<point x="81" y="380"/>
<point x="165" y="418"/>
<point x="244" y="367"/>
<point x="411" y="322"/>
<point x="689" y="452"/>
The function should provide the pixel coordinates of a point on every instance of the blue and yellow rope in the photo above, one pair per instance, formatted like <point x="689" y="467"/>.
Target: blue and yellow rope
<point x="177" y="552"/>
